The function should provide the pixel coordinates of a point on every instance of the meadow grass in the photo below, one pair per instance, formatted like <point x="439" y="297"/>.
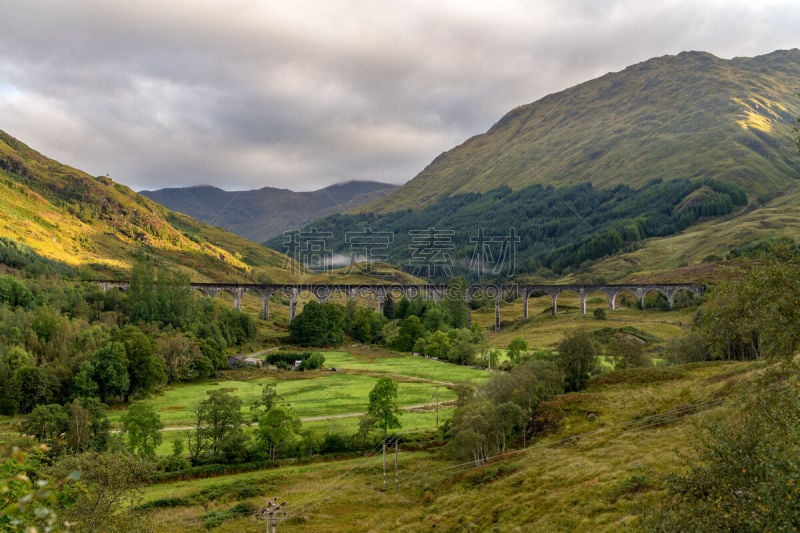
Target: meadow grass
<point x="588" y="475"/>
<point x="411" y="422"/>
<point x="376" y="360"/>
<point x="544" y="331"/>
<point x="315" y="394"/>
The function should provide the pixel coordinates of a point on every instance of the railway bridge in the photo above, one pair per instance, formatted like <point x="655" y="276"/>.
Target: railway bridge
<point x="323" y="291"/>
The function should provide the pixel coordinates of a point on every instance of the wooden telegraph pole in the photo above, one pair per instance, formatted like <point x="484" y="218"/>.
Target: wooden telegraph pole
<point x="272" y="513"/>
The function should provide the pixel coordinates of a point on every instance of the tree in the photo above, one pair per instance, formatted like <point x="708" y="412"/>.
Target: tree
<point x="628" y="352"/>
<point x="268" y="399"/>
<point x="504" y="408"/>
<point x="12" y="359"/>
<point x="365" y="424"/>
<point x="277" y="430"/>
<point x="436" y="344"/>
<point x="755" y="314"/>
<point x="577" y="358"/>
<point x="436" y="319"/>
<point x="515" y="348"/>
<point x="110" y="365"/>
<point x="383" y="405"/>
<point x="363" y="325"/>
<point x="218" y="419"/>
<point x="388" y="306"/>
<point x="470" y="429"/>
<point x="142" y="427"/>
<point x="410" y="330"/>
<point x="33" y="386"/>
<point x="173" y="298"/>
<point x="166" y="299"/>
<point x="111" y="489"/>
<point x="141" y="292"/>
<point x="78" y="434"/>
<point x="318" y="325"/>
<point x="145" y="368"/>
<point x="462" y="347"/>
<point x="28" y="499"/>
<point x="46" y="422"/>
<point x="182" y="358"/>
<point x="89" y="427"/>
<point x="313" y="362"/>
<point x="456" y="303"/>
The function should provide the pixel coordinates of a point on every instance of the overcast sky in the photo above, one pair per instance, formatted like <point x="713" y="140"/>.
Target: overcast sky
<point x="245" y="94"/>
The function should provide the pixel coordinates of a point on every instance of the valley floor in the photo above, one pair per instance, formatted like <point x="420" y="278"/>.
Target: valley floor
<point x="589" y="475"/>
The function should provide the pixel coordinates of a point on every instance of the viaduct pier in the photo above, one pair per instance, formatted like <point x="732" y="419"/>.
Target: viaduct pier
<point x="323" y="291"/>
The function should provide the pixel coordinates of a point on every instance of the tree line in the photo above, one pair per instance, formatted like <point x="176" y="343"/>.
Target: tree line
<point x="61" y="341"/>
<point x="559" y="228"/>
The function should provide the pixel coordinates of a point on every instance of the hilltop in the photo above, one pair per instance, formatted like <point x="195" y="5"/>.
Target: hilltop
<point x="671" y="163"/>
<point x="101" y="226"/>
<point x="691" y="116"/>
<point x="261" y="214"/>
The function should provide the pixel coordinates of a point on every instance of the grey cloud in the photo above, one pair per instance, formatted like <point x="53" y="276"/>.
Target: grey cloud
<point x="303" y="94"/>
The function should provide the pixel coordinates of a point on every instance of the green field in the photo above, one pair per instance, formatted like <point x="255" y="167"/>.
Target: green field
<point x="324" y="393"/>
<point x="586" y="476"/>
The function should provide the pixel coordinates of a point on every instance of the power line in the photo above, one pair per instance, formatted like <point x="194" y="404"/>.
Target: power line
<point x="272" y="513"/>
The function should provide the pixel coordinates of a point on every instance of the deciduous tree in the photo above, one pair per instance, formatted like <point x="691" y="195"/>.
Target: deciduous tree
<point x="383" y="405"/>
<point x="141" y="427"/>
<point x="577" y="358"/>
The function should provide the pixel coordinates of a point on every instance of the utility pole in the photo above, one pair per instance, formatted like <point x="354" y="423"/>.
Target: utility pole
<point x="384" y="465"/>
<point x="272" y="513"/>
<point x="437" y="405"/>
<point x="396" y="464"/>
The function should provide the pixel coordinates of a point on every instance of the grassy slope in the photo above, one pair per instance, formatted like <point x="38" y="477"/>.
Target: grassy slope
<point x="68" y="215"/>
<point x="644" y="122"/>
<point x="663" y="258"/>
<point x="586" y="476"/>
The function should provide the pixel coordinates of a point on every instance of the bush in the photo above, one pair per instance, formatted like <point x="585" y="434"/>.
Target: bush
<point x="314" y="361"/>
<point x="691" y="348"/>
<point x="286" y="360"/>
<point x="217" y="518"/>
<point x="745" y="475"/>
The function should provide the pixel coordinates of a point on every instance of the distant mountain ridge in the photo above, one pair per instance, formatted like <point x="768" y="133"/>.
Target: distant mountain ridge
<point x="262" y="214"/>
<point x="692" y="116"/>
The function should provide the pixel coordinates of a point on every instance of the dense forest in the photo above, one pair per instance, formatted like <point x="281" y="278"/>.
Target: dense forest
<point x="558" y="228"/>
<point x="63" y="340"/>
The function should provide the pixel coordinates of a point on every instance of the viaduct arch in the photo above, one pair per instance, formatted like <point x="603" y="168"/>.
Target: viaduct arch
<point x="323" y="291"/>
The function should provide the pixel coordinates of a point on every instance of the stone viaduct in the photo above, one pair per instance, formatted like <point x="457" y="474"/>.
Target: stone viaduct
<point x="323" y="291"/>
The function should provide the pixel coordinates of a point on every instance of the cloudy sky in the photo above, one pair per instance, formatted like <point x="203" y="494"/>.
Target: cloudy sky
<point x="244" y="94"/>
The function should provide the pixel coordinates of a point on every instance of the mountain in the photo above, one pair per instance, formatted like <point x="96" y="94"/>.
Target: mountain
<point x="687" y="116"/>
<point x="673" y="146"/>
<point x="265" y="213"/>
<point x="100" y="226"/>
